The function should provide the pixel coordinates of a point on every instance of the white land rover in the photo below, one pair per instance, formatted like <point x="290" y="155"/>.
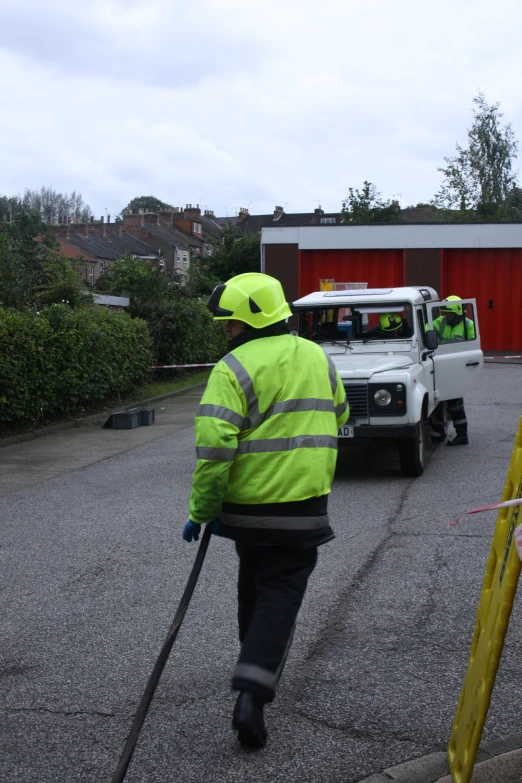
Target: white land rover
<point x="394" y="367"/>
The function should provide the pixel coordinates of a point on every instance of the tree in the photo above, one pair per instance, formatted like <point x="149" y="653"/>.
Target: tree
<point x="63" y="283"/>
<point x="9" y="206"/>
<point x="151" y="203"/>
<point x="236" y="254"/>
<point x="146" y="284"/>
<point x="33" y="272"/>
<point x="201" y="281"/>
<point x="367" y="206"/>
<point x="21" y="270"/>
<point x="480" y="177"/>
<point x="53" y="207"/>
<point x="180" y="326"/>
<point x="512" y="208"/>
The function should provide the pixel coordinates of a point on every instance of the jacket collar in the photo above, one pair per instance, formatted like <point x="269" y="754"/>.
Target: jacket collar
<point x="250" y="333"/>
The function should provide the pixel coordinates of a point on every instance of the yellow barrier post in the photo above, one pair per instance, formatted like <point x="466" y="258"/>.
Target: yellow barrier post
<point x="496" y="603"/>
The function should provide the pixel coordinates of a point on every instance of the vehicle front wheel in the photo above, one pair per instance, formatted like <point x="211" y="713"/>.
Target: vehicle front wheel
<point x="412" y="452"/>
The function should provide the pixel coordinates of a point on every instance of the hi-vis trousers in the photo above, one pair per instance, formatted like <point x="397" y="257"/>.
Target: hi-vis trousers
<point x="271" y="586"/>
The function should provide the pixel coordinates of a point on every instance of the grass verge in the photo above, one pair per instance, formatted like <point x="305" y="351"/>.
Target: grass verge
<point x="153" y="389"/>
<point x="156" y="388"/>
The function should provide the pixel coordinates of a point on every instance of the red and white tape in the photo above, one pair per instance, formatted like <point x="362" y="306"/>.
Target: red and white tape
<point x="511" y="356"/>
<point x="506" y="504"/>
<point x="179" y="366"/>
<point x="491" y="507"/>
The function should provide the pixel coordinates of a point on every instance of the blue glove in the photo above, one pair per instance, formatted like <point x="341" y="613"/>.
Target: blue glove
<point x="192" y="529"/>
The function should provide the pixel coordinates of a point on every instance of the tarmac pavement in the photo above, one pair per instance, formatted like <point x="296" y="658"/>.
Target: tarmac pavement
<point x="92" y="567"/>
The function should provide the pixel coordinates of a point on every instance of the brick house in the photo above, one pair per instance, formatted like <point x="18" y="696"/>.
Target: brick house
<point x="99" y="245"/>
<point x="166" y="231"/>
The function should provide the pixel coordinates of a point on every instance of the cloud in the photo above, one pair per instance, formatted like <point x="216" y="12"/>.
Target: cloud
<point x="145" y="42"/>
<point x="246" y="104"/>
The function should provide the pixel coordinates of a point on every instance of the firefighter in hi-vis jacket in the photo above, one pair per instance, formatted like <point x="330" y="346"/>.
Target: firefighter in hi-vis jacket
<point x="266" y="447"/>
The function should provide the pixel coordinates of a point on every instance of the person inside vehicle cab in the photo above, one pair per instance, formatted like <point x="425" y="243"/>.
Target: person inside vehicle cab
<point x="390" y="326"/>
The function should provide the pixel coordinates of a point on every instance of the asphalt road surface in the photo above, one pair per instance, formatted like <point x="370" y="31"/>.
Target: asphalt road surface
<point x="92" y="566"/>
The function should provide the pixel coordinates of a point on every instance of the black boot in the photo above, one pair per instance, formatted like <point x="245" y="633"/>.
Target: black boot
<point x="461" y="438"/>
<point x="248" y="720"/>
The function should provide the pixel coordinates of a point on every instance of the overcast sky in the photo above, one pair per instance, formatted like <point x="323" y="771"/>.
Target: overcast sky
<point x="247" y="103"/>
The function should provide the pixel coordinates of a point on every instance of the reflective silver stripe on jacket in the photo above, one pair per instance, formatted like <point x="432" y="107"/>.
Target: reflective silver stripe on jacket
<point x="287" y="406"/>
<point x="332" y="374"/>
<point x="300" y="406"/>
<point x="247" y="385"/>
<point x="253" y="673"/>
<point x="340" y="409"/>
<point x="220" y="412"/>
<point x="274" y="523"/>
<point x="220" y="455"/>
<point x="287" y="444"/>
<point x="255" y="418"/>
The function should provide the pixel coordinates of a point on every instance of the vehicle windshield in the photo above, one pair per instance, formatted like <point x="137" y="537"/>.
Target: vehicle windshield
<point x="364" y="322"/>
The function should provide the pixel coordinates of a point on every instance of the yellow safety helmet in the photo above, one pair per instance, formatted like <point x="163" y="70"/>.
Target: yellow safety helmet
<point x="390" y="322"/>
<point x="457" y="309"/>
<point x="256" y="299"/>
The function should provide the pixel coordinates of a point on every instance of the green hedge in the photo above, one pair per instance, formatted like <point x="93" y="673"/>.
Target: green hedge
<point x="63" y="360"/>
<point x="184" y="332"/>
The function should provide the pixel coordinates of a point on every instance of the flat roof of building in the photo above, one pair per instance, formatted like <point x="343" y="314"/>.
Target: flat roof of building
<point x="398" y="236"/>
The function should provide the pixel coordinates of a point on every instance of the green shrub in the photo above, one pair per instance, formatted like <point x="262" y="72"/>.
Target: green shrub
<point x="61" y="360"/>
<point x="184" y="332"/>
<point x="180" y="325"/>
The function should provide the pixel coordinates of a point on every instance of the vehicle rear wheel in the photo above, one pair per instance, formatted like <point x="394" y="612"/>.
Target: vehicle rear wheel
<point x="412" y="452"/>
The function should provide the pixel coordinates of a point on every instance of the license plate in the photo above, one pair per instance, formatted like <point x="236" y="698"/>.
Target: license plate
<point x="345" y="432"/>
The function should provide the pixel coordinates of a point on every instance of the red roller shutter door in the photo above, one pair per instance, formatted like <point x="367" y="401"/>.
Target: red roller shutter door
<point x="378" y="268"/>
<point x="494" y="279"/>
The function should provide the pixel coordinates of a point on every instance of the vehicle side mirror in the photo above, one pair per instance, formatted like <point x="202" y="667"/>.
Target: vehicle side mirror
<point x="430" y="339"/>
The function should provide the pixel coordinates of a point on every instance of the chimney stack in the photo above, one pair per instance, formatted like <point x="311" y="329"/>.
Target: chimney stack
<point x="132" y="223"/>
<point x="278" y="211"/>
<point x="59" y="230"/>
<point x="194" y="213"/>
<point x="167" y="216"/>
<point x="98" y="228"/>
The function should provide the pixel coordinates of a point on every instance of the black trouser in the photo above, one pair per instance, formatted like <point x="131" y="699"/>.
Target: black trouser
<point x="458" y="415"/>
<point x="271" y="585"/>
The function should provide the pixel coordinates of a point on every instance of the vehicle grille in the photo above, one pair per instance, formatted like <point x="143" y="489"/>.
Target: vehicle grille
<point x="357" y="395"/>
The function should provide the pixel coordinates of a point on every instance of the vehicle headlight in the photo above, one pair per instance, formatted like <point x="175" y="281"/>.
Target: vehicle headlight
<point x="382" y="397"/>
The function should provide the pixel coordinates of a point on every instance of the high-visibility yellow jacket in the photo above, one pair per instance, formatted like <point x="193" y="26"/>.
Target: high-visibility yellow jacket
<point x="451" y="334"/>
<point x="266" y="429"/>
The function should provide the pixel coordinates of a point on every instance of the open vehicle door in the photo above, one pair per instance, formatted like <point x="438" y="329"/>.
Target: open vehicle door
<point x="457" y="360"/>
